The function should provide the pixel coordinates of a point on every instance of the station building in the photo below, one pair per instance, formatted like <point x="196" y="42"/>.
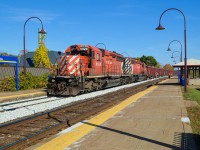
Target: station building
<point x="193" y="68"/>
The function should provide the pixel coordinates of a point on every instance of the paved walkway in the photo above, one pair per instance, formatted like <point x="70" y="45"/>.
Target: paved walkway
<point x="155" y="119"/>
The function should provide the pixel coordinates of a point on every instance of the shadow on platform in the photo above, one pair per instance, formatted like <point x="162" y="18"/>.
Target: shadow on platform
<point x="182" y="141"/>
<point x="186" y="140"/>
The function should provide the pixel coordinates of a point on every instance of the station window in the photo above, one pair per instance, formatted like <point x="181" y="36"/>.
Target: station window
<point x="98" y="56"/>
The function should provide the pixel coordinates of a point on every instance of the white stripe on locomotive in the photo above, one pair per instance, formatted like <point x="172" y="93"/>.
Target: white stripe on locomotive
<point x="127" y="67"/>
<point x="72" y="58"/>
<point x="73" y="64"/>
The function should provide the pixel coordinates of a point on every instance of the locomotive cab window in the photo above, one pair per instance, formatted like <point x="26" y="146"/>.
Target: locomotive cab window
<point x="92" y="55"/>
<point x="75" y="52"/>
<point x="133" y="62"/>
<point x="103" y="52"/>
<point x="98" y="56"/>
<point x="83" y="53"/>
<point x="120" y="59"/>
<point x="67" y="53"/>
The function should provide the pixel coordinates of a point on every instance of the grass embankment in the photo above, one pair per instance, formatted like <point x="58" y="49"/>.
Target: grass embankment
<point x="193" y="94"/>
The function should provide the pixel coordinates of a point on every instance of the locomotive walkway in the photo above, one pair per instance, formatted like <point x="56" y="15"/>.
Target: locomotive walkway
<point x="153" y="119"/>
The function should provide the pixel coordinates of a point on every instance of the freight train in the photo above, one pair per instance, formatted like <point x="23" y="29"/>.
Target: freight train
<point x="85" y="68"/>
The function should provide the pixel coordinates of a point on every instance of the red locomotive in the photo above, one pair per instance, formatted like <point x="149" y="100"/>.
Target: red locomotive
<point x="85" y="68"/>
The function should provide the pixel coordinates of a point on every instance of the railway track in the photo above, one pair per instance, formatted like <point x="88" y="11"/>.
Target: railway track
<point x="28" y="131"/>
<point x="21" y="108"/>
<point x="26" y="103"/>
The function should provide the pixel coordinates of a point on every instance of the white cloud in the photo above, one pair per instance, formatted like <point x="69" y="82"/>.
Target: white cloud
<point x="21" y="14"/>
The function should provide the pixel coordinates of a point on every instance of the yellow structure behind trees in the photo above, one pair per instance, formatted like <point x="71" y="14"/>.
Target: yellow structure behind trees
<point x="41" y="58"/>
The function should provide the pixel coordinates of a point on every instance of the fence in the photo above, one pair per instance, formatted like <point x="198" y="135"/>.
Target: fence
<point x="10" y="71"/>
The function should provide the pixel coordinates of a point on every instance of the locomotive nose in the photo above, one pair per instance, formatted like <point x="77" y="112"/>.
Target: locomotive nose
<point x="73" y="65"/>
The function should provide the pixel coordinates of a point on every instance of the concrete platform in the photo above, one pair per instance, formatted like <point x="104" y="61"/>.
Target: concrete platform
<point x="155" y="119"/>
<point x="10" y="96"/>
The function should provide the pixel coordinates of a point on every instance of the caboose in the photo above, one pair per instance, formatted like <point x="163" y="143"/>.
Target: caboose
<point x="85" y="68"/>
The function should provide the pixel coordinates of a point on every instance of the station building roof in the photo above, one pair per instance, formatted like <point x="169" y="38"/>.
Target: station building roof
<point x="190" y="63"/>
<point x="53" y="56"/>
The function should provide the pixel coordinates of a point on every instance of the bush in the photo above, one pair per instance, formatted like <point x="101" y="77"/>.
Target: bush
<point x="41" y="81"/>
<point x="25" y="82"/>
<point x="8" y="84"/>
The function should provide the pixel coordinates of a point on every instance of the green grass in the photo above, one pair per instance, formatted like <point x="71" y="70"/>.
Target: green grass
<point x="193" y="94"/>
<point x="194" y="115"/>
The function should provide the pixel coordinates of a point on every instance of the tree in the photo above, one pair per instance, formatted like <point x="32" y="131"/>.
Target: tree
<point x="149" y="60"/>
<point x="168" y="67"/>
<point x="158" y="65"/>
<point x="41" y="58"/>
<point x="137" y="58"/>
<point x="5" y="54"/>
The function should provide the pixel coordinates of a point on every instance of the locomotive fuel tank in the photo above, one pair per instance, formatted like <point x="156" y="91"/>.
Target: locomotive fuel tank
<point x="111" y="83"/>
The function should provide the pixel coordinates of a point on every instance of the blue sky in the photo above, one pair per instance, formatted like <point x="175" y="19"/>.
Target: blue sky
<point x="122" y="25"/>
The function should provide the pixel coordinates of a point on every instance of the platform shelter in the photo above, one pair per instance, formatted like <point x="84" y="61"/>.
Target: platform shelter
<point x="193" y="68"/>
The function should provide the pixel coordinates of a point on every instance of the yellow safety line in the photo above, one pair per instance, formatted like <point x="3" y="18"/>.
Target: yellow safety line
<point x="20" y="95"/>
<point x="66" y="139"/>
